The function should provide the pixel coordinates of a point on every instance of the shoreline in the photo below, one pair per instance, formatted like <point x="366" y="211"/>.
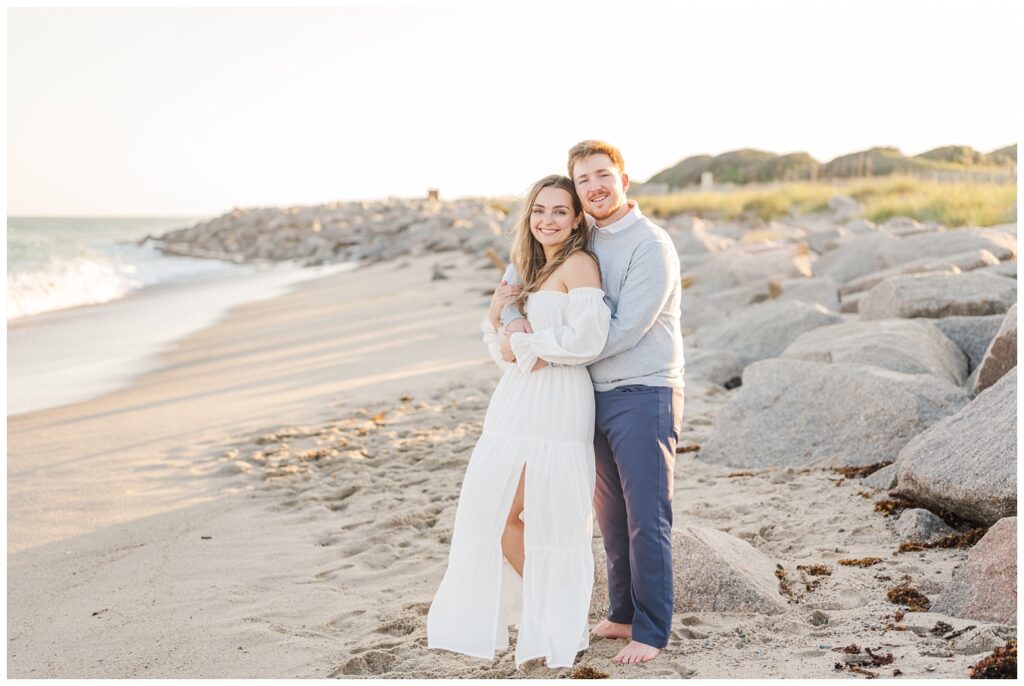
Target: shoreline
<point x="44" y="372"/>
<point x="248" y="370"/>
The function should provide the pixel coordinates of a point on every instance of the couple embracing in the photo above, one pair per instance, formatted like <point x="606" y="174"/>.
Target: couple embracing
<point x="586" y="416"/>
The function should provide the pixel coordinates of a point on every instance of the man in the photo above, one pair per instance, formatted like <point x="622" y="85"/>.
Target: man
<point x="638" y="381"/>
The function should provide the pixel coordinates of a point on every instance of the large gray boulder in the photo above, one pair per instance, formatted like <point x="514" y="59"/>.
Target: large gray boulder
<point x="854" y="257"/>
<point x="938" y="295"/>
<point x="1001" y="355"/>
<point x="697" y="237"/>
<point x="716" y="366"/>
<point x="747" y="264"/>
<point x="903" y="226"/>
<point x="950" y="242"/>
<point x="795" y="412"/>
<point x="985" y="587"/>
<point x="1006" y="269"/>
<point x="701" y="310"/>
<point x="861" y="226"/>
<point x="712" y="572"/>
<point x="765" y="329"/>
<point x="971" y="334"/>
<point x="967" y="462"/>
<point x="952" y="264"/>
<point x="902" y="345"/>
<point x="819" y="289"/>
<point x="823" y="239"/>
<point x="716" y="572"/>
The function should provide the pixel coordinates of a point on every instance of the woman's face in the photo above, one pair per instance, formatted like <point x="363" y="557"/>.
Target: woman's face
<point x="551" y="217"/>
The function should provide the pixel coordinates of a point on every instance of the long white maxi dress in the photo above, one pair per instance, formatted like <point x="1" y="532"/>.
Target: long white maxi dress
<point x="545" y="421"/>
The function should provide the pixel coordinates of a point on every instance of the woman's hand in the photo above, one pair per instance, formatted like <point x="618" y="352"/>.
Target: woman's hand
<point x="504" y="294"/>
<point x="506" y="348"/>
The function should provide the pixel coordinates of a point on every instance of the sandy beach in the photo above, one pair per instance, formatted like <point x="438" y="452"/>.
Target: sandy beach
<point x="276" y="500"/>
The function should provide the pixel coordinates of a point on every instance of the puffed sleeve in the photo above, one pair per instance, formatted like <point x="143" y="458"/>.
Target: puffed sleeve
<point x="491" y="340"/>
<point x="576" y="342"/>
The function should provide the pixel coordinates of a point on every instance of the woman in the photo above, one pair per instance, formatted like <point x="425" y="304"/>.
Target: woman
<point x="521" y="546"/>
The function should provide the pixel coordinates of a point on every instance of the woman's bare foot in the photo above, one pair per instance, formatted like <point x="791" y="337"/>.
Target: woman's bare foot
<point x="636" y="652"/>
<point x="610" y="629"/>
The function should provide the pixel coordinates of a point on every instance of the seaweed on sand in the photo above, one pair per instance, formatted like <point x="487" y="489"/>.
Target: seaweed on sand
<point x="1001" y="664"/>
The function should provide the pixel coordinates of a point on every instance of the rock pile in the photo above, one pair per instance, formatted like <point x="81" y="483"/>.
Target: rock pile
<point x="350" y="231"/>
<point x="898" y="376"/>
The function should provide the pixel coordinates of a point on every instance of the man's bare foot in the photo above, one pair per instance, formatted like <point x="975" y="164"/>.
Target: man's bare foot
<point x="610" y="629"/>
<point x="636" y="652"/>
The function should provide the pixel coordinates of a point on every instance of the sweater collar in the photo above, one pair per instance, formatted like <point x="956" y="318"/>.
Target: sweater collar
<point x="629" y="218"/>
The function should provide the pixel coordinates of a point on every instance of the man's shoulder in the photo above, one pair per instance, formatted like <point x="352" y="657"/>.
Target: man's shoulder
<point x="655" y="230"/>
<point x="650" y="236"/>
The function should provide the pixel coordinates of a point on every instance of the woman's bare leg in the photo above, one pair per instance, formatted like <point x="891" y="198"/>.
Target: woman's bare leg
<point x="512" y="544"/>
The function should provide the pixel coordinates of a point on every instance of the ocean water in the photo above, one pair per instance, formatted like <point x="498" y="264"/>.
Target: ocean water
<point x="89" y="310"/>
<point x="57" y="263"/>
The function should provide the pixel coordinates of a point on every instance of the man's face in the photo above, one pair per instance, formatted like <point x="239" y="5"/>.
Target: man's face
<point x="600" y="185"/>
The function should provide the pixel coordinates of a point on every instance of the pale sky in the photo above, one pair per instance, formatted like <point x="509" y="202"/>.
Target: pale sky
<point x="195" y="111"/>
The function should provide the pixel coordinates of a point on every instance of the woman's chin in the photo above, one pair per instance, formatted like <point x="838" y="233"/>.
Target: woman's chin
<point x="551" y="241"/>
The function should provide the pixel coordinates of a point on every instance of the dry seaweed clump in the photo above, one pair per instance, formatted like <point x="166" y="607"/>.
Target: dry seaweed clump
<point x="784" y="587"/>
<point x="906" y="595"/>
<point x="857" y="472"/>
<point x="859" y="561"/>
<point x="858" y="664"/>
<point x="588" y="673"/>
<point x="815" y="570"/>
<point x="954" y="540"/>
<point x="1001" y="664"/>
<point x="893" y="505"/>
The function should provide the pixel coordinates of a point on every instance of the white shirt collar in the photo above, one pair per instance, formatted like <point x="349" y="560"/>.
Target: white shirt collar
<point x="629" y="218"/>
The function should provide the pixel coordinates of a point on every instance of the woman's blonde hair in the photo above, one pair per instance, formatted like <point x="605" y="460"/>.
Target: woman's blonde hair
<point x="528" y="253"/>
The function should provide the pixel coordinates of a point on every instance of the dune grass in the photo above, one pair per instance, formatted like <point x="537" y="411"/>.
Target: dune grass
<point x="951" y="204"/>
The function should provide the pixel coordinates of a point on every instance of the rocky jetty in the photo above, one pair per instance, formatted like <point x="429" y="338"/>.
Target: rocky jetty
<point x="366" y="232"/>
<point x="909" y="359"/>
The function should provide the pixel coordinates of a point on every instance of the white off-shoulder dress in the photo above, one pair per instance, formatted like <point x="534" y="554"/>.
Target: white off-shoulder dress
<point x="545" y="421"/>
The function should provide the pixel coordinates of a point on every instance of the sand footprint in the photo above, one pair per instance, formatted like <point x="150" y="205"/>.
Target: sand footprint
<point x="370" y="663"/>
<point x="336" y="502"/>
<point x="402" y="626"/>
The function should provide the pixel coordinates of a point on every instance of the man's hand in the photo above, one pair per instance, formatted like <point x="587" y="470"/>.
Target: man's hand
<point x="506" y="347"/>
<point x="503" y="295"/>
<point x="521" y="325"/>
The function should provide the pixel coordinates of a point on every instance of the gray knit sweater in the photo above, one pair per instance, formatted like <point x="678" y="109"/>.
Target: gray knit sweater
<point x="640" y="278"/>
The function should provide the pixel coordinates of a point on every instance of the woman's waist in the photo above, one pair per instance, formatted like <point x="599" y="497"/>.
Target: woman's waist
<point x="556" y="371"/>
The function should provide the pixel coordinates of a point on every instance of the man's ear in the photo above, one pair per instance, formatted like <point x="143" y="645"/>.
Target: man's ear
<point x="625" y="182"/>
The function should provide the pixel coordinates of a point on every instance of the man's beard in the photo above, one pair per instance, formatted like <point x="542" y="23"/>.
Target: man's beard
<point x="608" y="213"/>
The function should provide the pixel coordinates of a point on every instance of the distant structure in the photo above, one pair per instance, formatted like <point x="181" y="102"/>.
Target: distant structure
<point x="433" y="194"/>
<point x="707" y="181"/>
<point x="648" y="188"/>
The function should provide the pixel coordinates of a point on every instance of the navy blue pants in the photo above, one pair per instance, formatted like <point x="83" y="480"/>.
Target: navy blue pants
<point x="635" y="449"/>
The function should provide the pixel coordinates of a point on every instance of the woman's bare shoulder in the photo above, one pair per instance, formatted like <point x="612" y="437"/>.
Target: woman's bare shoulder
<point x="580" y="269"/>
